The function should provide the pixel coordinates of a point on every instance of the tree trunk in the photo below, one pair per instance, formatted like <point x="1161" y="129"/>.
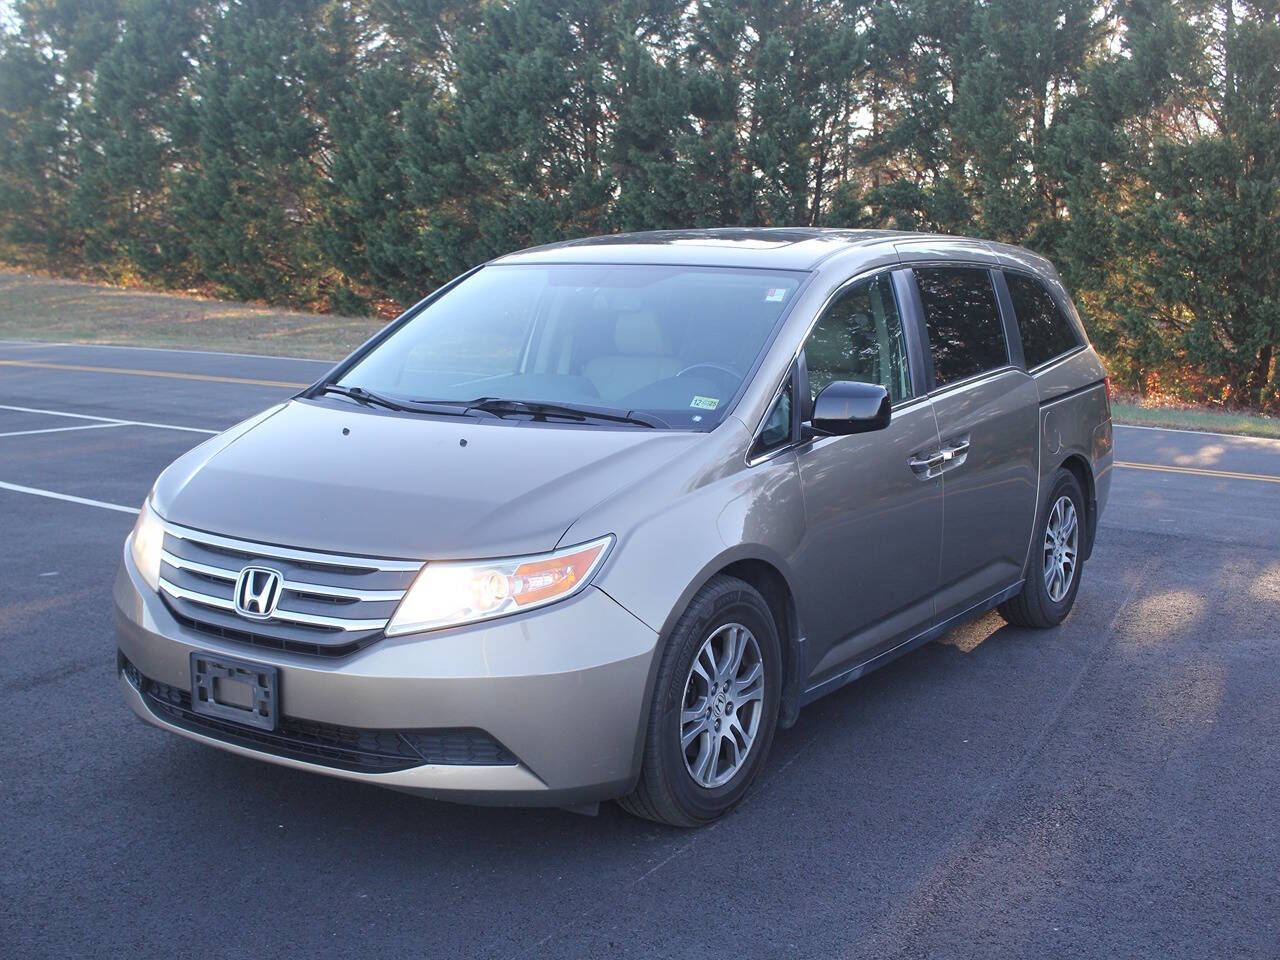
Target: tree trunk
<point x="1257" y="382"/>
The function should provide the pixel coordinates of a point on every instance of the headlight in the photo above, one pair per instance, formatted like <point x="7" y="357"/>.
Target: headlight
<point x="145" y="544"/>
<point x="449" y="593"/>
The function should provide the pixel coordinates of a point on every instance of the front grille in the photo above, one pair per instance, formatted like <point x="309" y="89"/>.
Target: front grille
<point x="329" y="605"/>
<point x="237" y="635"/>
<point x="331" y="745"/>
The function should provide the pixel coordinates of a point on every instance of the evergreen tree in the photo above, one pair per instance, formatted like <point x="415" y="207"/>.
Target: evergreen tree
<point x="251" y="134"/>
<point x="783" y="85"/>
<point x="387" y="155"/>
<point x="121" y="201"/>
<point x="648" y="156"/>
<point x="46" y="69"/>
<point x="346" y="151"/>
<point x="370" y="228"/>
<point x="1204" y="237"/>
<point x="516" y="155"/>
<point x="1098" y="148"/>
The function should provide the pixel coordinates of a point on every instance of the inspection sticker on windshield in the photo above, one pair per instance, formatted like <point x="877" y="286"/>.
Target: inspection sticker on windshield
<point x="775" y="295"/>
<point x="704" y="403"/>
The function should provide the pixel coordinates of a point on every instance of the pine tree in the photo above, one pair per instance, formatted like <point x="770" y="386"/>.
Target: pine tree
<point x="46" y="69"/>
<point x="120" y="204"/>
<point x="1204" y="237"/>
<point x="373" y="217"/>
<point x="777" y="87"/>
<point x="252" y="134"/>
<point x="517" y="154"/>
<point x="648" y="157"/>
<point x="342" y="151"/>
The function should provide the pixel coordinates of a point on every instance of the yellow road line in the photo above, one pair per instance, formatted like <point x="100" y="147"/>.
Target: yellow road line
<point x="166" y="374"/>
<point x="1198" y="472"/>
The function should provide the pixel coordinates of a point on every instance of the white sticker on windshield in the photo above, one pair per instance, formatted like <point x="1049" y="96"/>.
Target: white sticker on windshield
<point x="775" y="295"/>
<point x="704" y="403"/>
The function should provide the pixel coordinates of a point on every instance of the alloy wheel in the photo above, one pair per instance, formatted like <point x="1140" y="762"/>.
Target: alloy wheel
<point x="722" y="706"/>
<point x="1061" y="540"/>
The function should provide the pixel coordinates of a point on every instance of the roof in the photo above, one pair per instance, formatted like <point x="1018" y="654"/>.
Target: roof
<point x="777" y="248"/>
<point x="765" y="248"/>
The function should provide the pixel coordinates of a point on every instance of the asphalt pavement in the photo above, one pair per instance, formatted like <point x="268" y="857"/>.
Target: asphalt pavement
<point x="1106" y="789"/>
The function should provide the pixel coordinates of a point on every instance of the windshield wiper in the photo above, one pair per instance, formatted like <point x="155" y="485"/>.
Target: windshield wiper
<point x="501" y="407"/>
<point x="369" y="398"/>
<point x="494" y="407"/>
<point x="361" y="395"/>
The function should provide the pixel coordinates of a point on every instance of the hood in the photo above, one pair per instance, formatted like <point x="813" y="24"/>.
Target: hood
<point x="331" y="477"/>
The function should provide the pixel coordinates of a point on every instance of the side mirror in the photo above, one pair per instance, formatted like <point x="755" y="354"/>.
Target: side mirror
<point x="846" y="406"/>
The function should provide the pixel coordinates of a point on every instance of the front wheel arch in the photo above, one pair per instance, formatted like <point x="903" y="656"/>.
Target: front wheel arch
<point x="765" y="574"/>
<point x="662" y="790"/>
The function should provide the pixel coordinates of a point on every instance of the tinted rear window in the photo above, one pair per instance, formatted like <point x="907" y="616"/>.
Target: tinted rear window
<point x="1046" y="332"/>
<point x="960" y="310"/>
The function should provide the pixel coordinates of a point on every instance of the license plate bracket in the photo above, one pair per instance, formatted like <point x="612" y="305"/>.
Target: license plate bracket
<point x="235" y="690"/>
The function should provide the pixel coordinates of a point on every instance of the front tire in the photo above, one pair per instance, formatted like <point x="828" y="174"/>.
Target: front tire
<point x="1054" y="575"/>
<point x="715" y="707"/>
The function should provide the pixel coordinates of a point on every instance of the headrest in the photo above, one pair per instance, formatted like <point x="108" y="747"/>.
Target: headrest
<point x="640" y="334"/>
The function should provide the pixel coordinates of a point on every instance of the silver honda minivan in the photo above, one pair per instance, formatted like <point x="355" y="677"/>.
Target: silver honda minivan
<point x="592" y="520"/>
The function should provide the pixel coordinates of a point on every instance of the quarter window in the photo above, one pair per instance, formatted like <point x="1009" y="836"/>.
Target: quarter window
<point x="860" y="338"/>
<point x="776" y="430"/>
<point x="1045" y="330"/>
<point x="960" y="310"/>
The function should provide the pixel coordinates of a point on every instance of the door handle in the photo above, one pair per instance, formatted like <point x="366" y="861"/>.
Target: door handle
<point x="925" y="466"/>
<point x="930" y="465"/>
<point x="954" y="451"/>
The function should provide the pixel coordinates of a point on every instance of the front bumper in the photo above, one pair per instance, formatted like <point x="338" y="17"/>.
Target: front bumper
<point x="563" y="689"/>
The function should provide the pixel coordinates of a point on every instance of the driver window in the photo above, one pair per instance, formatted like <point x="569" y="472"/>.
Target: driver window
<point x="860" y="338"/>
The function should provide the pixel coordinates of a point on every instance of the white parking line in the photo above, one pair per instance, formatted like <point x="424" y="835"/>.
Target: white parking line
<point x="35" y="492"/>
<point x="86" y="426"/>
<point x="114" y="421"/>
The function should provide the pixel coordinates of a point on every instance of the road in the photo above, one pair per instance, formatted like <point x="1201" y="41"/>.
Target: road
<point x="1107" y="789"/>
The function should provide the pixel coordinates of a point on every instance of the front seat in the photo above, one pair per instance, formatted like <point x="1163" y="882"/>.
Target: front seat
<point x="643" y="356"/>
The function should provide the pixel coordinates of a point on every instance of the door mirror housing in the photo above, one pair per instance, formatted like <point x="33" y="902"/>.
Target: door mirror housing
<point x="846" y="406"/>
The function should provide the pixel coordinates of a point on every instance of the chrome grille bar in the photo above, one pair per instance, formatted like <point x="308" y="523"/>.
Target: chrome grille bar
<point x="348" y="585"/>
<point x="288" y="616"/>
<point x="182" y="563"/>
<point x="288" y="553"/>
<point x="297" y="586"/>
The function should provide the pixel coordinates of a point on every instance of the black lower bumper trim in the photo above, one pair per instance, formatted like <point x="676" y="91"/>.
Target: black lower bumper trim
<point x="344" y="748"/>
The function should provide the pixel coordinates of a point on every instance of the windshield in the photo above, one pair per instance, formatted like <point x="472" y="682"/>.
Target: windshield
<point x="673" y="342"/>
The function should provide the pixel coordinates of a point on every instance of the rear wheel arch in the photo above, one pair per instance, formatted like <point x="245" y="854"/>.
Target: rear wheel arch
<point x="1057" y="556"/>
<point x="1083" y="472"/>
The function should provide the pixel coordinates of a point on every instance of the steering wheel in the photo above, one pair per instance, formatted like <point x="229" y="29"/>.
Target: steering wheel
<point x="719" y="368"/>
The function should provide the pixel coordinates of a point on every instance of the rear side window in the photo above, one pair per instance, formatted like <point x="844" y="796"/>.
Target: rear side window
<point x="960" y="310"/>
<point x="1045" y="330"/>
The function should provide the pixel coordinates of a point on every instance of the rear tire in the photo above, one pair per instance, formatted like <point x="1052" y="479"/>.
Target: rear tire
<point x="715" y="708"/>
<point x="1053" y="577"/>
